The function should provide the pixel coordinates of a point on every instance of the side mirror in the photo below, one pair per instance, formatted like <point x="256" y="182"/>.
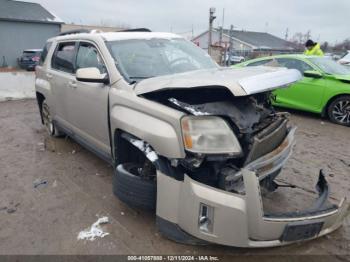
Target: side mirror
<point x="91" y="75"/>
<point x="313" y="74"/>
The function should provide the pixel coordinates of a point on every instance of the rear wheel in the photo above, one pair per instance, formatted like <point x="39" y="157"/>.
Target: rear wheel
<point x="339" y="111"/>
<point x="48" y="123"/>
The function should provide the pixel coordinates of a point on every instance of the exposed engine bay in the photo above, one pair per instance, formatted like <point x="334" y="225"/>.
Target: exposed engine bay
<point x="253" y="120"/>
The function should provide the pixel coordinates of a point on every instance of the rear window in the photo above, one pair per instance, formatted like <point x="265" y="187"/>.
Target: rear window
<point x="63" y="58"/>
<point x="44" y="53"/>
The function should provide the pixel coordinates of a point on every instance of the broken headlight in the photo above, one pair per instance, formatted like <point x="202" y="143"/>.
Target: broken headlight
<point x="209" y="134"/>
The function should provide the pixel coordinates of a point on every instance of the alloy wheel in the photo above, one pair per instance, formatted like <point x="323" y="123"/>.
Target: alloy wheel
<point x="341" y="112"/>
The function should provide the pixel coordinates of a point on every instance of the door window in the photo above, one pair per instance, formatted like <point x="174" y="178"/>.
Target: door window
<point x="63" y="58"/>
<point x="294" y="64"/>
<point x="88" y="56"/>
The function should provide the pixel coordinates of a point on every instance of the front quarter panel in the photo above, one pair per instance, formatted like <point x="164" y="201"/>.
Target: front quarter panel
<point x="154" y="123"/>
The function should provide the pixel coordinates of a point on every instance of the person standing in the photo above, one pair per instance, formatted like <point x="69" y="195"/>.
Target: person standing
<point x="313" y="48"/>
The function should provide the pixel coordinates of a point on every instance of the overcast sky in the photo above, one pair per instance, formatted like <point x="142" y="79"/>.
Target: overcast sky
<point x="327" y="20"/>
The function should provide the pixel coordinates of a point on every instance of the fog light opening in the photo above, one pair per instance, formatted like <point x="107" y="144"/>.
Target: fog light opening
<point x="206" y="218"/>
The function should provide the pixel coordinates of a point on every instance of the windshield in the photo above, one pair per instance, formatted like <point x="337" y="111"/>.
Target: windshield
<point x="329" y="66"/>
<point x="144" y="58"/>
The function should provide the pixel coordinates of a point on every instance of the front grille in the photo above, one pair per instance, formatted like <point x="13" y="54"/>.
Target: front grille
<point x="268" y="139"/>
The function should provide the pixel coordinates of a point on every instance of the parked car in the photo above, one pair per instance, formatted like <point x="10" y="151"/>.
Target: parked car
<point x="345" y="60"/>
<point x="324" y="89"/>
<point x="191" y="140"/>
<point x="234" y="59"/>
<point x="29" y="59"/>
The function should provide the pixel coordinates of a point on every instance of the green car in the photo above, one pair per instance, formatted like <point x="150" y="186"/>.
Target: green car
<point x="324" y="89"/>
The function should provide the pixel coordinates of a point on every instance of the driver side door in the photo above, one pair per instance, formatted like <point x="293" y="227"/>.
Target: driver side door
<point x="88" y="103"/>
<point x="307" y="94"/>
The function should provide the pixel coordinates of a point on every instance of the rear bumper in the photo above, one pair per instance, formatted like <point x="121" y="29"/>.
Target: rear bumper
<point x="239" y="220"/>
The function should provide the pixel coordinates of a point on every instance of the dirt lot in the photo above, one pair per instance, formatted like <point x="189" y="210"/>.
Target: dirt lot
<point x="47" y="219"/>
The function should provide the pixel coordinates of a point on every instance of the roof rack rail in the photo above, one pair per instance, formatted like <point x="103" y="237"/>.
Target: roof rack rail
<point x="76" y="31"/>
<point x="136" y="30"/>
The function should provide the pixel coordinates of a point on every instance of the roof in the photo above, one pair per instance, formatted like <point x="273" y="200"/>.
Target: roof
<point x="258" y="40"/>
<point x="32" y="50"/>
<point x="115" y="36"/>
<point x="26" y="12"/>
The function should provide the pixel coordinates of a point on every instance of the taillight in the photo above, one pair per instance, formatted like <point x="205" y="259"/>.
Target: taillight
<point x="36" y="58"/>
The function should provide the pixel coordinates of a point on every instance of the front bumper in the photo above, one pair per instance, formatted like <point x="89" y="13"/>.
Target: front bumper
<point x="239" y="220"/>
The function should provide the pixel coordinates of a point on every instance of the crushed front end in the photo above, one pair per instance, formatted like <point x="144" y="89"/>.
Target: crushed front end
<point x="216" y="197"/>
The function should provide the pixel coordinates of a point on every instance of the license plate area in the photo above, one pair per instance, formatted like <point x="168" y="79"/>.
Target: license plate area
<point x="300" y="231"/>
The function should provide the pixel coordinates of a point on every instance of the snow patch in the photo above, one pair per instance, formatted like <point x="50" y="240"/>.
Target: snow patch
<point x="17" y="85"/>
<point x="94" y="231"/>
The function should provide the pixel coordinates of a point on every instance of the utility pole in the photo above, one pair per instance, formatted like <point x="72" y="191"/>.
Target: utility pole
<point x="211" y="20"/>
<point x="231" y="45"/>
<point x="220" y="36"/>
<point x="287" y="34"/>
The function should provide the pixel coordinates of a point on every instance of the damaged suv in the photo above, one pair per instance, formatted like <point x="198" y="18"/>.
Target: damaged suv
<point x="195" y="142"/>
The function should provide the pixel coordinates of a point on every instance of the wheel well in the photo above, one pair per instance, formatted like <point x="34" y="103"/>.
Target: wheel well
<point x="40" y="99"/>
<point x="324" y="111"/>
<point x="124" y="151"/>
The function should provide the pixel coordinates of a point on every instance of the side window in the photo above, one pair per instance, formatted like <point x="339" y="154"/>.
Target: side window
<point x="63" y="58"/>
<point x="88" y="56"/>
<point x="294" y="64"/>
<point x="44" y="53"/>
<point x="261" y="62"/>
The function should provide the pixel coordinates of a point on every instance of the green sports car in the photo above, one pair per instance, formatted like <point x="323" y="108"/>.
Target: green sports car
<point x="324" y="89"/>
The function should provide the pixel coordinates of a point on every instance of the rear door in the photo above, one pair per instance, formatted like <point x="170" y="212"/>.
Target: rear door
<point x="60" y="74"/>
<point x="307" y="94"/>
<point x="88" y="102"/>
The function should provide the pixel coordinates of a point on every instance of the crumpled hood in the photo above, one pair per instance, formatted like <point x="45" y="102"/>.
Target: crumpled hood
<point x="240" y="81"/>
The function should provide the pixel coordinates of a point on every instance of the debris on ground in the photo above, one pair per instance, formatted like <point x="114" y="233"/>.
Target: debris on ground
<point x="39" y="182"/>
<point x="73" y="152"/>
<point x="12" y="208"/>
<point x="94" y="231"/>
<point x="54" y="184"/>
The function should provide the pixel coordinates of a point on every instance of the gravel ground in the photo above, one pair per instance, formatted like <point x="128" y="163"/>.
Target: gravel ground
<point x="47" y="219"/>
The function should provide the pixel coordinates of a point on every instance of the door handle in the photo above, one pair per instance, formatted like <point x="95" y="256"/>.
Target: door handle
<point x="49" y="76"/>
<point x="72" y="84"/>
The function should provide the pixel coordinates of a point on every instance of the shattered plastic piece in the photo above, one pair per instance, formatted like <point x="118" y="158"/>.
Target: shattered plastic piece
<point x="11" y="210"/>
<point x="73" y="152"/>
<point x="94" y="231"/>
<point x="144" y="147"/>
<point x="39" y="182"/>
<point x="188" y="108"/>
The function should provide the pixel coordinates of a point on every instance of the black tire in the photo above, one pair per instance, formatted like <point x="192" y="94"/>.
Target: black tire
<point x="50" y="126"/>
<point x="339" y="110"/>
<point x="132" y="189"/>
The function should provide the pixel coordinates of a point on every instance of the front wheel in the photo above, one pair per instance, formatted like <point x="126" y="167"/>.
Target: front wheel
<point x="339" y="111"/>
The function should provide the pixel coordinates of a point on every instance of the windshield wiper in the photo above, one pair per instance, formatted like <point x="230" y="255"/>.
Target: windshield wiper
<point x="135" y="78"/>
<point x="139" y="77"/>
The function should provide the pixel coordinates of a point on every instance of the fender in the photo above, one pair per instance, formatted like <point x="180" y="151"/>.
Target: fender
<point x="160" y="134"/>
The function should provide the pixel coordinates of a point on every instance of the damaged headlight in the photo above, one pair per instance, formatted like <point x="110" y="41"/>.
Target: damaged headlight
<point x="209" y="134"/>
